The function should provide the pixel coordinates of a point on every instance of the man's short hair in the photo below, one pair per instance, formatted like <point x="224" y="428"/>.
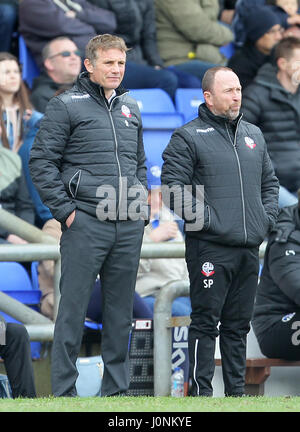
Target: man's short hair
<point x="209" y="77"/>
<point x="104" y="42"/>
<point x="286" y="47"/>
<point x="46" y="51"/>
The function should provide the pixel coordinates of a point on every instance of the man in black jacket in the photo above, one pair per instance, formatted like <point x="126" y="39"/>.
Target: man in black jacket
<point x="229" y="158"/>
<point x="87" y="163"/>
<point x="272" y="102"/>
<point x="61" y="67"/>
<point x="276" y="318"/>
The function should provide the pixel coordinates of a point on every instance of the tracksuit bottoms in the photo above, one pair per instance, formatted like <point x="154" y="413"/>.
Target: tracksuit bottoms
<point x="88" y="248"/>
<point x="223" y="281"/>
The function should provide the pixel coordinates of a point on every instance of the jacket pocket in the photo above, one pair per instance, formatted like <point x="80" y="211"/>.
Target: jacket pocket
<point x="74" y="183"/>
<point x="207" y="218"/>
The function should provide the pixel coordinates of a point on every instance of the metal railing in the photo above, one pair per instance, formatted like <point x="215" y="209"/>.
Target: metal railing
<point x="42" y="246"/>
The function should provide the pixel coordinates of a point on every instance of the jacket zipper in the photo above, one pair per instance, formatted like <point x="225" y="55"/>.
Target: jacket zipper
<point x="240" y="175"/>
<point x="116" y="152"/>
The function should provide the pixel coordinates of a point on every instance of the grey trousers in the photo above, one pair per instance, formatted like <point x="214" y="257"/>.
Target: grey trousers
<point x="88" y="248"/>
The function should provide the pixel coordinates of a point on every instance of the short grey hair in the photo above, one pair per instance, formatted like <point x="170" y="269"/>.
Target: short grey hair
<point x="105" y="42"/>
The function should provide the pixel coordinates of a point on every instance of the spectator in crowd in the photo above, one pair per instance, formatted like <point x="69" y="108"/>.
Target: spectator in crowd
<point x="14" y="196"/>
<point x="229" y="158"/>
<point x="8" y="23"/>
<point x="61" y="67"/>
<point x="189" y="34"/>
<point x="263" y="32"/>
<point x="272" y="102"/>
<point x="19" y="121"/>
<point x="16" y="354"/>
<point x="99" y="236"/>
<point x="144" y="66"/>
<point x="286" y="10"/>
<point x="40" y="21"/>
<point x="277" y="305"/>
<point x="154" y="274"/>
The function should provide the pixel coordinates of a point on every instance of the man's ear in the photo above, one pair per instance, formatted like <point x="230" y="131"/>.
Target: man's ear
<point x="207" y="96"/>
<point x="281" y="63"/>
<point x="88" y="65"/>
<point x="48" y="65"/>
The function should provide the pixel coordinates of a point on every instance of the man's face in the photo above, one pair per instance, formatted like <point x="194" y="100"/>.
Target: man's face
<point x="10" y="77"/>
<point x="291" y="67"/>
<point x="108" y="69"/>
<point x="64" y="61"/>
<point x="266" y="42"/>
<point x="225" y="97"/>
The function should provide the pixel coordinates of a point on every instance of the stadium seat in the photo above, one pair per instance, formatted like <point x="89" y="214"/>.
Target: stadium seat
<point x="187" y="102"/>
<point x="15" y="282"/>
<point x="30" y="69"/>
<point x="228" y="50"/>
<point x="157" y="109"/>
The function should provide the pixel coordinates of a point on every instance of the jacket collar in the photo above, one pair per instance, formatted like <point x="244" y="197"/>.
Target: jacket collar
<point x="205" y="114"/>
<point x="85" y="84"/>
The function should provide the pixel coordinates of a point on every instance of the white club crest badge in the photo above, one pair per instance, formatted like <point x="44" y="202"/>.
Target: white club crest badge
<point x="126" y="111"/>
<point x="207" y="269"/>
<point x="250" y="143"/>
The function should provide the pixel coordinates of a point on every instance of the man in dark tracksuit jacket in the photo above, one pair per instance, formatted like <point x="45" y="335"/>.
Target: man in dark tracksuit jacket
<point x="229" y="157"/>
<point x="87" y="161"/>
<point x="276" y="317"/>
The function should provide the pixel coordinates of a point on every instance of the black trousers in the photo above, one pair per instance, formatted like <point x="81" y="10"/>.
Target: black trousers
<point x="282" y="340"/>
<point x="223" y="283"/>
<point x="88" y="248"/>
<point x="16" y="354"/>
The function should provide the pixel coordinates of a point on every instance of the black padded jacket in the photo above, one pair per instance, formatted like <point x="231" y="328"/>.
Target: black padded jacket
<point x="278" y="292"/>
<point x="230" y="160"/>
<point x="86" y="150"/>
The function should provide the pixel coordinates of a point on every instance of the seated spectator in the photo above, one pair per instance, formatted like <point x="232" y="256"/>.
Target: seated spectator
<point x="16" y="354"/>
<point x="277" y="307"/>
<point x="19" y="122"/>
<point x="144" y="66"/>
<point x="14" y="196"/>
<point x="189" y="35"/>
<point x="154" y="274"/>
<point x="40" y="21"/>
<point x="61" y="67"/>
<point x="272" y="102"/>
<point x="263" y="32"/>
<point x="8" y="22"/>
<point x="286" y="10"/>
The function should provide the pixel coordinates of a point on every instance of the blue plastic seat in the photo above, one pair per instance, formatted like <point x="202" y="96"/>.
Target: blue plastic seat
<point x="157" y="109"/>
<point x="187" y="102"/>
<point x="228" y="50"/>
<point x="30" y="69"/>
<point x="15" y="282"/>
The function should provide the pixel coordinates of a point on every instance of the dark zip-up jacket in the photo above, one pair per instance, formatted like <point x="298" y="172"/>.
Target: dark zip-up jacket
<point x="43" y="89"/>
<point x="85" y="146"/>
<point x="278" y="292"/>
<point x="240" y="188"/>
<point x="276" y="111"/>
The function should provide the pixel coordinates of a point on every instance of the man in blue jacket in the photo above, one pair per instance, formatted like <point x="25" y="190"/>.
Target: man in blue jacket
<point x="229" y="158"/>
